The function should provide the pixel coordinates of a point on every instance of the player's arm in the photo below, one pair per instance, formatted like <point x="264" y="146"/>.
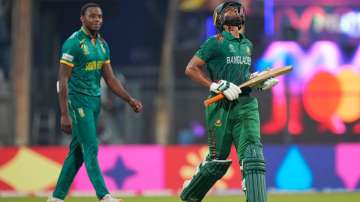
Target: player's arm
<point x="64" y="75"/>
<point x="195" y="70"/>
<point x="117" y="88"/>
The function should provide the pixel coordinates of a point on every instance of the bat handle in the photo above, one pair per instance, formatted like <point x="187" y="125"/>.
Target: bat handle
<point x="214" y="99"/>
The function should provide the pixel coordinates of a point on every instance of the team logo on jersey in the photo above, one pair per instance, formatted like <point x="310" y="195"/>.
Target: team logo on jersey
<point x="84" y="47"/>
<point x="232" y="48"/>
<point x="81" y="112"/>
<point x="218" y="123"/>
<point x="247" y="50"/>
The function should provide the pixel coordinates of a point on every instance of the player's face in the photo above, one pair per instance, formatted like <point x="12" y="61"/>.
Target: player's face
<point x="234" y="17"/>
<point x="93" y="18"/>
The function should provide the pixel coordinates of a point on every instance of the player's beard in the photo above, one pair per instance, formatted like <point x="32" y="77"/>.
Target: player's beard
<point x="93" y="31"/>
<point x="92" y="27"/>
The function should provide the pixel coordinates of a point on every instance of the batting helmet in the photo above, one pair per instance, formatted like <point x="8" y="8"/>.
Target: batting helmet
<point x="219" y="18"/>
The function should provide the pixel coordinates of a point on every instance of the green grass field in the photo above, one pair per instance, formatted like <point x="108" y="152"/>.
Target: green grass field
<point x="302" y="197"/>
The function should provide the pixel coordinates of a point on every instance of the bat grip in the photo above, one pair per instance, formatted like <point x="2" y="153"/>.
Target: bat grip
<point x="214" y="99"/>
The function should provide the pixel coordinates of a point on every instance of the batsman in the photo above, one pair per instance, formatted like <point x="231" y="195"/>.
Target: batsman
<point x="234" y="120"/>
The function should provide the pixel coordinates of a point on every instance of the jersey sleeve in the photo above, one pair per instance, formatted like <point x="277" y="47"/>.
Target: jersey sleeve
<point x="207" y="50"/>
<point x="69" y="52"/>
<point x="107" y="60"/>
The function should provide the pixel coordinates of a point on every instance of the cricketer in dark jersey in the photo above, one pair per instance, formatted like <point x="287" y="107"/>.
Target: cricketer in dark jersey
<point x="231" y="121"/>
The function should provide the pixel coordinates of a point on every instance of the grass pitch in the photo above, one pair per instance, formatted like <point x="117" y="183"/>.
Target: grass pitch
<point x="302" y="197"/>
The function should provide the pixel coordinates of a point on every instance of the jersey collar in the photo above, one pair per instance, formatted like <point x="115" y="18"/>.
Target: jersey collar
<point x="86" y="33"/>
<point x="230" y="37"/>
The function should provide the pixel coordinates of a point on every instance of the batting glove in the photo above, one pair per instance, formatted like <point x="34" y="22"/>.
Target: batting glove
<point x="230" y="90"/>
<point x="269" y="83"/>
<point x="254" y="74"/>
<point x="219" y="87"/>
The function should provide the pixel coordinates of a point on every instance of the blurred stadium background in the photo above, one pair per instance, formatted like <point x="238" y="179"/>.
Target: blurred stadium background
<point x="310" y="121"/>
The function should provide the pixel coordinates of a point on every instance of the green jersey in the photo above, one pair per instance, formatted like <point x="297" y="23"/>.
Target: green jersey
<point x="86" y="56"/>
<point x="227" y="58"/>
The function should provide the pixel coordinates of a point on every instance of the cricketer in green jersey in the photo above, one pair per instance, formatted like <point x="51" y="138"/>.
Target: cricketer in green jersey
<point x="234" y="120"/>
<point x="85" y="59"/>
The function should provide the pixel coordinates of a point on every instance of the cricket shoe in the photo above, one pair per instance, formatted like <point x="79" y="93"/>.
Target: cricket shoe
<point x="53" y="199"/>
<point x="109" y="198"/>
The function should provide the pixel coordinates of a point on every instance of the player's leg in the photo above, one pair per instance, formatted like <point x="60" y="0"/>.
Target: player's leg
<point x="246" y="135"/>
<point x="254" y="170"/>
<point x="71" y="166"/>
<point x="215" y="165"/>
<point x="96" y="105"/>
<point x="219" y="131"/>
<point x="205" y="177"/>
<point x="72" y="162"/>
<point x="89" y="145"/>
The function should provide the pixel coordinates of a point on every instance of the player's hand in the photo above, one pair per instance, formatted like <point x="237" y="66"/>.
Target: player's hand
<point x="135" y="105"/>
<point x="233" y="92"/>
<point x="66" y="124"/>
<point x="230" y="90"/>
<point x="254" y="74"/>
<point x="269" y="83"/>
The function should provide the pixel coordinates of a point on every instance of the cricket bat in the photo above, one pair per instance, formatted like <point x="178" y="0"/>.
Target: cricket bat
<point x="261" y="77"/>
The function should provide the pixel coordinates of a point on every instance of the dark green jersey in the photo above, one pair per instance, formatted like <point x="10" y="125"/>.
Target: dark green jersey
<point x="227" y="58"/>
<point x="86" y="56"/>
